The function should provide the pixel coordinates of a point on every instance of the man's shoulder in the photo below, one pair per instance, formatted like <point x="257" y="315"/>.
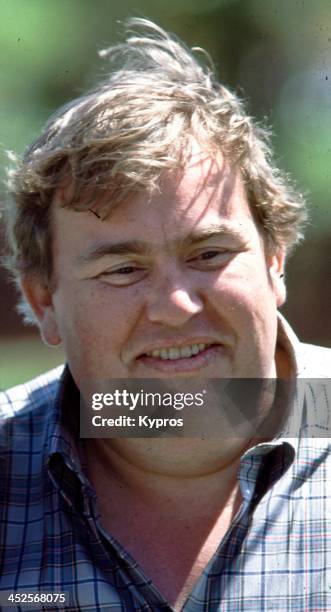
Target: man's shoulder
<point x="315" y="361"/>
<point x="30" y="396"/>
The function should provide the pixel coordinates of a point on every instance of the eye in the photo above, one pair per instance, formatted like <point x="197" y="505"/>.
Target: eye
<point x="124" y="270"/>
<point x="211" y="259"/>
<point x="208" y="255"/>
<point x="122" y="276"/>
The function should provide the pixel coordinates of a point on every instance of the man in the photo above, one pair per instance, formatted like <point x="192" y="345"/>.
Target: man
<point x="149" y="236"/>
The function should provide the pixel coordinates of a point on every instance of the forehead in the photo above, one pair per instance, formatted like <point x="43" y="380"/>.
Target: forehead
<point x="206" y="192"/>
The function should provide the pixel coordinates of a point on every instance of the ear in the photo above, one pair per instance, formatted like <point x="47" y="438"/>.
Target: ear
<point x="276" y="265"/>
<point x="39" y="297"/>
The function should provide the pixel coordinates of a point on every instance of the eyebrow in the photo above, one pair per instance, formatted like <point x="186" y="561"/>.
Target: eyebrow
<point x="139" y="247"/>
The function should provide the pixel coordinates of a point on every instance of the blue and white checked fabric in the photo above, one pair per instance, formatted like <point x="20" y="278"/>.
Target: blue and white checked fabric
<point x="275" y="556"/>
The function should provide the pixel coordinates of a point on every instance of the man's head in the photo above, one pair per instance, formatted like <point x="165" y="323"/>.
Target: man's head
<point x="156" y="153"/>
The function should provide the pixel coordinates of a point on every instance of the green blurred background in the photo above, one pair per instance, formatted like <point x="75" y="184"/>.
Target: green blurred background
<point x="275" y="53"/>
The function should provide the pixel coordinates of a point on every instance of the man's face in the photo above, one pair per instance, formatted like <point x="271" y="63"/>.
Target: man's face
<point x="176" y="284"/>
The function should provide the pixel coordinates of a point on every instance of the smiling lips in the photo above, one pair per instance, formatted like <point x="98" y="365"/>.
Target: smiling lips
<point x="182" y="359"/>
<point x="182" y="352"/>
<point x="182" y="356"/>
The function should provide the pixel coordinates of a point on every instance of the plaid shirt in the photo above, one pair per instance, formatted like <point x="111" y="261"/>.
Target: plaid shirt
<point x="276" y="554"/>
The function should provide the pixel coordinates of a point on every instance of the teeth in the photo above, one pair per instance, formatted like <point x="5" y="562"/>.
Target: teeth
<point x="174" y="353"/>
<point x="178" y="353"/>
<point x="185" y="351"/>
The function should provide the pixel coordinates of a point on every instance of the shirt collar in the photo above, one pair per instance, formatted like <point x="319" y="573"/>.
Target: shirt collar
<point x="310" y="415"/>
<point x="64" y="420"/>
<point x="282" y="449"/>
<point x="66" y="458"/>
<point x="307" y="414"/>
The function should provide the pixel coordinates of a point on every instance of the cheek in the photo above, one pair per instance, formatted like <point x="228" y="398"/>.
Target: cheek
<point x="246" y="309"/>
<point x="243" y="297"/>
<point x="237" y="289"/>
<point x="94" y="321"/>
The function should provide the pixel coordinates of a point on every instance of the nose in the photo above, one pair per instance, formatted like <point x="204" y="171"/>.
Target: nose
<point x="173" y="302"/>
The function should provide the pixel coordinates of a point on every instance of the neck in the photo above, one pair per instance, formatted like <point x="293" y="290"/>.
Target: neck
<point x="160" y="473"/>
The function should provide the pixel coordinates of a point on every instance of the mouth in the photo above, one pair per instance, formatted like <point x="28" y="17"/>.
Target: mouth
<point x="188" y="358"/>
<point x="174" y="353"/>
